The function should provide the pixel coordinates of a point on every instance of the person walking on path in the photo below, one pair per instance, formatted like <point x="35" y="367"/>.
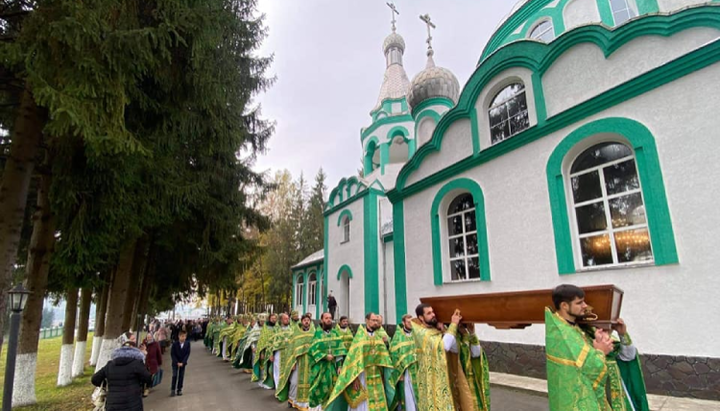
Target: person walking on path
<point x="332" y="305"/>
<point x="180" y="353"/>
<point x="153" y="360"/>
<point x="125" y="374"/>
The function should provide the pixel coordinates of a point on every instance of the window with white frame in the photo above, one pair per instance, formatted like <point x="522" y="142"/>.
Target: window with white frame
<point x="543" y="31"/>
<point x="312" y="289"/>
<point x="346" y="229"/>
<point x="608" y="206"/>
<point x="462" y="239"/>
<point x="508" y="113"/>
<point x="299" y="290"/>
<point x="622" y="11"/>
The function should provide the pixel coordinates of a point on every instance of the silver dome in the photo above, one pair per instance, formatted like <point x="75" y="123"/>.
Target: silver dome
<point x="433" y="82"/>
<point x="393" y="39"/>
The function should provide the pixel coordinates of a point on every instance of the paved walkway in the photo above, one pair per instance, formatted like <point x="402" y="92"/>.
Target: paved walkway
<point x="212" y="385"/>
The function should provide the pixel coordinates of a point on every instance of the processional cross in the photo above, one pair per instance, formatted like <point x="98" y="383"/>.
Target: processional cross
<point x="394" y="11"/>
<point x="430" y="25"/>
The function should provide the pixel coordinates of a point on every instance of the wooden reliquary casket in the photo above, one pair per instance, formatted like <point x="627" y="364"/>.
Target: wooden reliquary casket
<point x="517" y="310"/>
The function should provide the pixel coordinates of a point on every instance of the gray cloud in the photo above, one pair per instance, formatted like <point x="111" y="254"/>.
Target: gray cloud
<point x="329" y="67"/>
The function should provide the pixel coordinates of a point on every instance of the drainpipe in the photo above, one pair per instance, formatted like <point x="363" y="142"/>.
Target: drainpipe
<point x="384" y="264"/>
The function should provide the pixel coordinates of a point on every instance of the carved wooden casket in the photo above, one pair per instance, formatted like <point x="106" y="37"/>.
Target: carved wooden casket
<point x="517" y="310"/>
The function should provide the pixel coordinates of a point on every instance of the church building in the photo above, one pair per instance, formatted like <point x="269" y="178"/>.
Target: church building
<point x="581" y="150"/>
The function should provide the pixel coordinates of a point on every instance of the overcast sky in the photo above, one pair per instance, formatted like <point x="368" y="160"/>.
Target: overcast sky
<point x="329" y="66"/>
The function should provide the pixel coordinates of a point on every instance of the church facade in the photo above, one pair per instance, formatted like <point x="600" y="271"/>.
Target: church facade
<point x="581" y="150"/>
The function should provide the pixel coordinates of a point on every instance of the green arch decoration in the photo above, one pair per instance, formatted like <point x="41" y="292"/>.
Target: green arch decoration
<point x="368" y="157"/>
<point x="473" y="188"/>
<point x="653" y="189"/>
<point x="347" y="268"/>
<point x="343" y="214"/>
<point x="538" y="57"/>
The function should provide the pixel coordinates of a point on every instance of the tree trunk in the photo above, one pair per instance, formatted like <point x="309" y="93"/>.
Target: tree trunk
<point x="66" y="351"/>
<point x="138" y="268"/>
<point x="42" y="243"/>
<point x="100" y="310"/>
<point x="18" y="171"/>
<point x="144" y="295"/>
<point x="78" y="366"/>
<point x="116" y="299"/>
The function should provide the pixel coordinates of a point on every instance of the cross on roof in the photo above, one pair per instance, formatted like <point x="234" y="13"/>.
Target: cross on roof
<point x="394" y="11"/>
<point x="430" y="24"/>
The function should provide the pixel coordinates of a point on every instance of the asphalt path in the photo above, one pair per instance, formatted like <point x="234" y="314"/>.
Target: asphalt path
<point x="211" y="384"/>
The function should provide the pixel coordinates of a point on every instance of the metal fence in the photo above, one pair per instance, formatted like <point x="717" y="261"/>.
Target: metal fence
<point x="51" y="332"/>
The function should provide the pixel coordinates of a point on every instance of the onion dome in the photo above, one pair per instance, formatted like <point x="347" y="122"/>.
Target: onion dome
<point x="433" y="82"/>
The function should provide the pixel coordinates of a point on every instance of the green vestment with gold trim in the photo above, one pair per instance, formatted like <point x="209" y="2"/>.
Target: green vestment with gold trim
<point x="476" y="371"/>
<point x="298" y="360"/>
<point x="262" y="362"/>
<point x="576" y="371"/>
<point x="403" y="353"/>
<point x="433" y="380"/>
<point x="368" y="354"/>
<point x="324" y="372"/>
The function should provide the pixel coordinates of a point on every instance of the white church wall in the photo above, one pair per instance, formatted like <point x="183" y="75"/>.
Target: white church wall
<point x="351" y="299"/>
<point x="580" y="12"/>
<point x="455" y="146"/>
<point x="673" y="5"/>
<point x="425" y="130"/>
<point x="662" y="304"/>
<point x="594" y="74"/>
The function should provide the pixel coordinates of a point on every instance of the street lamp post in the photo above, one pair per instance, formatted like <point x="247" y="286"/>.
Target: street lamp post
<point x="18" y="298"/>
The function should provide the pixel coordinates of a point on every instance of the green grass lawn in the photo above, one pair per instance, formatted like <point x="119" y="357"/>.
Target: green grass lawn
<point x="74" y="397"/>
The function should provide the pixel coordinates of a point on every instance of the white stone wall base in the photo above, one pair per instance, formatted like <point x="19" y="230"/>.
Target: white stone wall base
<point x="108" y="345"/>
<point x="78" y="365"/>
<point x="24" y="384"/>
<point x="97" y="343"/>
<point x="65" y="369"/>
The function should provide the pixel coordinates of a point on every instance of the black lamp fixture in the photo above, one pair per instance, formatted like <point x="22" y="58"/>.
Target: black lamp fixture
<point x="18" y="298"/>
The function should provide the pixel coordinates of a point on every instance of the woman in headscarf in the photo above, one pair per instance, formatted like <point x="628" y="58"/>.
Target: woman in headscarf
<point x="125" y="374"/>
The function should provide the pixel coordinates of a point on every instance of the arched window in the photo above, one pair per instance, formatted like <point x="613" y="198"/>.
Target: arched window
<point x="312" y="289"/>
<point x="508" y="113"/>
<point x="346" y="229"/>
<point x="299" y="290"/>
<point x="543" y="31"/>
<point x="372" y="157"/>
<point x="463" y="239"/>
<point x="621" y="11"/>
<point x="607" y="201"/>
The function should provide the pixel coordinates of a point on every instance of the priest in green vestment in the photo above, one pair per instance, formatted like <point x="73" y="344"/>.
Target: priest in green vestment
<point x="325" y="352"/>
<point x="344" y="334"/>
<point x="295" y="380"/>
<point x="360" y="385"/>
<point x="441" y="381"/>
<point x="237" y="336"/>
<point x="262" y="363"/>
<point x="217" y="346"/>
<point x="225" y="339"/>
<point x="403" y="353"/>
<point x="603" y="368"/>
<point x="475" y="366"/>
<point x="248" y="351"/>
<point x="576" y="365"/>
<point x="208" y="334"/>
<point x="279" y="346"/>
<point x="240" y="352"/>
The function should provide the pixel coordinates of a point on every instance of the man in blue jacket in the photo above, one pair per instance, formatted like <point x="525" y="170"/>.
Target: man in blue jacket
<point x="180" y="354"/>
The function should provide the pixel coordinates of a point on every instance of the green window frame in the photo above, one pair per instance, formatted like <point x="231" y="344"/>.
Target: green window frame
<point x="642" y="142"/>
<point x="455" y="187"/>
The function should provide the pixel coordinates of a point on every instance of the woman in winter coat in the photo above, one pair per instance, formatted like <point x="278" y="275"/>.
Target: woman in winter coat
<point x="153" y="358"/>
<point x="125" y="374"/>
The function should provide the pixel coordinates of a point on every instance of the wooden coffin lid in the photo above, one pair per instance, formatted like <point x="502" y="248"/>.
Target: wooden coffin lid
<point x="519" y="309"/>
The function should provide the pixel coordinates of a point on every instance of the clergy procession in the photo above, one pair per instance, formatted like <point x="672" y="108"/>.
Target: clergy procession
<point x="427" y="365"/>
